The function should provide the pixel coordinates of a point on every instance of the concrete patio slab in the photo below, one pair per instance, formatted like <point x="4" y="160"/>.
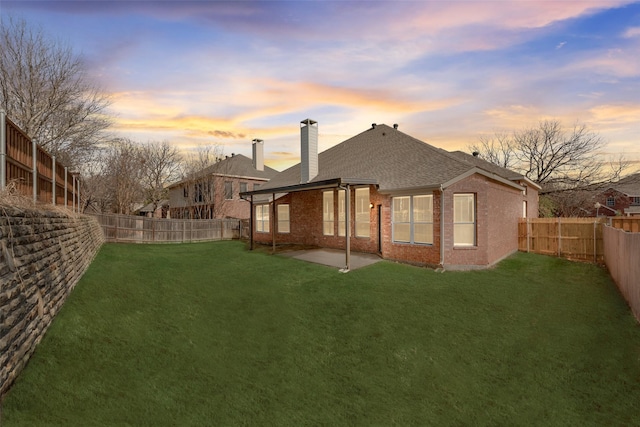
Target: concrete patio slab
<point x="333" y="257"/>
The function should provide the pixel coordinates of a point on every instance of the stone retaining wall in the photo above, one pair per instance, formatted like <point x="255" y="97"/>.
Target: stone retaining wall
<point x="43" y="254"/>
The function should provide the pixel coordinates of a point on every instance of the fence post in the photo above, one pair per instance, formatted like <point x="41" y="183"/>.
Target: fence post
<point x="559" y="237"/>
<point x="66" y="189"/>
<point x="528" y="235"/>
<point x="34" y="162"/>
<point x="53" y="180"/>
<point x="78" y="204"/>
<point x="595" y="244"/>
<point x="3" y="150"/>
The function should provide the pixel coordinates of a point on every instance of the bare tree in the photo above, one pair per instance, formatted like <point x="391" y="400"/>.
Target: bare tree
<point x="122" y="173"/>
<point x="204" y="187"/>
<point x="45" y="90"/>
<point x="161" y="166"/>
<point x="498" y="149"/>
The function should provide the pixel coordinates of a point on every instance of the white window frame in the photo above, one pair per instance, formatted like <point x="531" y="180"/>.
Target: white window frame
<point x="284" y="224"/>
<point x="411" y="220"/>
<point x="462" y="222"/>
<point x="328" y="220"/>
<point x="363" y="213"/>
<point x="262" y="218"/>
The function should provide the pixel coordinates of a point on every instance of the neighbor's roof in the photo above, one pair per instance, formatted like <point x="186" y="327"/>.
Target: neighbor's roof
<point x="236" y="165"/>
<point x="629" y="185"/>
<point x="390" y="158"/>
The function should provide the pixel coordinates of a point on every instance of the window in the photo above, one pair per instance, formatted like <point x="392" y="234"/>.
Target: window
<point x="524" y="209"/>
<point x="256" y="186"/>
<point x="611" y="201"/>
<point x="198" y="195"/>
<point x="327" y="213"/>
<point x="243" y="187"/>
<point x="283" y="219"/>
<point x="413" y="219"/>
<point x="185" y="191"/>
<point x="341" y="214"/>
<point x="262" y="218"/>
<point x="635" y="201"/>
<point x="228" y="190"/>
<point x="464" y="220"/>
<point x="362" y="212"/>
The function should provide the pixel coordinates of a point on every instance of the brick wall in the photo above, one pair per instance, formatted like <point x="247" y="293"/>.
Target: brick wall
<point x="498" y="208"/>
<point x="42" y="257"/>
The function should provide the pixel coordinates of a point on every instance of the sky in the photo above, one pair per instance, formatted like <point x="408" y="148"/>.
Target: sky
<point x="222" y="73"/>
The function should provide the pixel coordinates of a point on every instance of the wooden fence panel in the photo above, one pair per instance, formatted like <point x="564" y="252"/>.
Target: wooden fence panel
<point x="626" y="223"/>
<point x="622" y="251"/>
<point x="137" y="229"/>
<point x="572" y="238"/>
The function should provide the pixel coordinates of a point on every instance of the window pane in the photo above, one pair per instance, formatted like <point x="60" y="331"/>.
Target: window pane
<point x="463" y="210"/>
<point x="341" y="223"/>
<point x="423" y="233"/>
<point x="327" y="213"/>
<point x="283" y="219"/>
<point x="402" y="232"/>
<point x="423" y="208"/>
<point x="228" y="190"/>
<point x="362" y="212"/>
<point x="401" y="207"/>
<point x="464" y="234"/>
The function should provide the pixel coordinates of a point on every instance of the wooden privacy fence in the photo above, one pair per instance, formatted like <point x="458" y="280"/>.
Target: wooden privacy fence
<point x="138" y="229"/>
<point x="626" y="223"/>
<point x="34" y="172"/>
<point x="622" y="256"/>
<point x="572" y="238"/>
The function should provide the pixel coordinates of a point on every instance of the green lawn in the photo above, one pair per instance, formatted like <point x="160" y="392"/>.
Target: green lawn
<point x="212" y="334"/>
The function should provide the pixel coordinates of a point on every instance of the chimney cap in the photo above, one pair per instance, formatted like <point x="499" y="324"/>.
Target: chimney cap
<point x="308" y="122"/>
<point x="257" y="140"/>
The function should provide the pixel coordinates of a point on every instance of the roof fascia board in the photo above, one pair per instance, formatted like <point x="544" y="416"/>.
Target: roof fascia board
<point x="411" y="191"/>
<point x="317" y="185"/>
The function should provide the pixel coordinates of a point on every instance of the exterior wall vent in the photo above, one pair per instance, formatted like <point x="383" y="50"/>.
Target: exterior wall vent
<point x="308" y="150"/>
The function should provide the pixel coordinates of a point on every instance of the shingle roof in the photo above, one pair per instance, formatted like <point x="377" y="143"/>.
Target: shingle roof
<point x="236" y="165"/>
<point x="629" y="185"/>
<point x="393" y="159"/>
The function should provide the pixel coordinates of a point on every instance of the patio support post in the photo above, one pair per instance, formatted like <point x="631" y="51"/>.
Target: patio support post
<point x="442" y="227"/>
<point x="273" y="220"/>
<point x="66" y="188"/>
<point x="251" y="223"/>
<point x="347" y="229"/>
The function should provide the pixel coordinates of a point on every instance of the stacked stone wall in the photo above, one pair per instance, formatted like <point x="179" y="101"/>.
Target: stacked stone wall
<point x="43" y="255"/>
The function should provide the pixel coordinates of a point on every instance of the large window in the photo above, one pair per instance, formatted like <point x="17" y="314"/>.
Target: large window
<point x="341" y="215"/>
<point x="283" y="219"/>
<point x="228" y="190"/>
<point x="635" y="201"/>
<point x="464" y="220"/>
<point x="413" y="219"/>
<point x="243" y="187"/>
<point x="262" y="218"/>
<point x="362" y="212"/>
<point x="327" y="213"/>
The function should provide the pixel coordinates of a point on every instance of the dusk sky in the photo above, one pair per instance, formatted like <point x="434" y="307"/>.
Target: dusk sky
<point x="223" y="73"/>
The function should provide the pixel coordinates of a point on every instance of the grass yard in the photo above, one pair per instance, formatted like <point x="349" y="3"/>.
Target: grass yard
<point x="212" y="334"/>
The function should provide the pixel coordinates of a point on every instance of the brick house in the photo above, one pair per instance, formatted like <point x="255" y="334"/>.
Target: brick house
<point x="213" y="193"/>
<point x="622" y="198"/>
<point x="404" y="200"/>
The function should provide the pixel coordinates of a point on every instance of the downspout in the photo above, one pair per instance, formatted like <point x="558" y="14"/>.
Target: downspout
<point x="441" y="227"/>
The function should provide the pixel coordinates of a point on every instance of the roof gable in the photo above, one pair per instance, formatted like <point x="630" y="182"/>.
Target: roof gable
<point x="236" y="165"/>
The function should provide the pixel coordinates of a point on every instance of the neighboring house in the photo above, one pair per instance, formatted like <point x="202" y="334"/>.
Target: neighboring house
<point x="161" y="210"/>
<point x="404" y="199"/>
<point x="621" y="198"/>
<point x="214" y="191"/>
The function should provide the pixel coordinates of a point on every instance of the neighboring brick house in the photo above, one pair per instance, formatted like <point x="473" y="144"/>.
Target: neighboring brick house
<point x="621" y="198"/>
<point x="214" y="191"/>
<point x="407" y="201"/>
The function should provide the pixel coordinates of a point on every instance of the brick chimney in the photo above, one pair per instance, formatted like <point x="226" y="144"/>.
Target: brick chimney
<point x="308" y="150"/>
<point x="258" y="154"/>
